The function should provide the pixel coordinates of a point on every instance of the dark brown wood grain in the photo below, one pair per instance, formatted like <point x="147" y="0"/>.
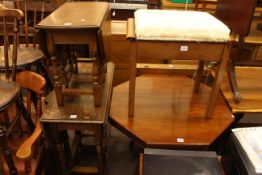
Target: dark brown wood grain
<point x="236" y="14"/>
<point x="166" y="109"/>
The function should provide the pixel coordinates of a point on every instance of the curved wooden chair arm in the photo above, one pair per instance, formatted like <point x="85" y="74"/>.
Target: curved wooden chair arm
<point x="31" y="80"/>
<point x="25" y="151"/>
<point x="4" y="11"/>
<point x="130" y="30"/>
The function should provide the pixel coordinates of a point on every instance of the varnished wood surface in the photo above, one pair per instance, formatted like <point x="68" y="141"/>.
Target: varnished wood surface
<point x="25" y="55"/>
<point x="76" y="15"/>
<point x="166" y="108"/>
<point x="249" y="82"/>
<point x="9" y="92"/>
<point x="82" y="106"/>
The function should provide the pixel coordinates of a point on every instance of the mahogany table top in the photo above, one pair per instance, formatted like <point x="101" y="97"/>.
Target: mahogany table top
<point x="169" y="114"/>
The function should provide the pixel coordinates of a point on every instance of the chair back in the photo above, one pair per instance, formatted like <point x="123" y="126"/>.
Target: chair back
<point x="6" y="13"/>
<point x="34" y="11"/>
<point x="32" y="83"/>
<point x="237" y="18"/>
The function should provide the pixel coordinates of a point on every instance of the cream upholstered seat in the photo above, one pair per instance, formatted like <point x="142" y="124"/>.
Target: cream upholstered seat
<point x="179" y="26"/>
<point x="185" y="35"/>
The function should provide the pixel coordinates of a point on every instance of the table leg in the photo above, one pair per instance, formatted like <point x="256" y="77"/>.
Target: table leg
<point x="73" y="57"/>
<point x="96" y="84"/>
<point x="57" y="82"/>
<point x="99" y="68"/>
<point x="132" y="79"/>
<point x="68" y="155"/>
<point x="56" y="149"/>
<point x="99" y="150"/>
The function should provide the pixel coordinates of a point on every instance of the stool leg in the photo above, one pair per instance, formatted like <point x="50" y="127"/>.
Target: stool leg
<point x="132" y="80"/>
<point x="198" y="76"/>
<point x="217" y="83"/>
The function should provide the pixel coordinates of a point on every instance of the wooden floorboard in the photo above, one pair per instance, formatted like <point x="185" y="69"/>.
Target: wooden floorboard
<point x="169" y="114"/>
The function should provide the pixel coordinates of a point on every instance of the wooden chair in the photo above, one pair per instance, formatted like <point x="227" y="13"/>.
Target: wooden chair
<point x="32" y="82"/>
<point x="9" y="89"/>
<point x="25" y="147"/>
<point x="246" y="49"/>
<point x="28" y="52"/>
<point x="245" y="26"/>
<point x="248" y="34"/>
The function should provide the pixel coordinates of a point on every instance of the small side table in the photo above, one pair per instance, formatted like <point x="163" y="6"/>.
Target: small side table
<point x="169" y="162"/>
<point x="76" y="23"/>
<point x="78" y="113"/>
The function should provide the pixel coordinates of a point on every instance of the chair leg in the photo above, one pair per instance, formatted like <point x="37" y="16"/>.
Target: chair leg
<point x="26" y="116"/>
<point x="28" y="166"/>
<point x="6" y="116"/>
<point x="14" y="123"/>
<point x="46" y="75"/>
<point x="233" y="82"/>
<point x="6" y="153"/>
<point x="1" y="167"/>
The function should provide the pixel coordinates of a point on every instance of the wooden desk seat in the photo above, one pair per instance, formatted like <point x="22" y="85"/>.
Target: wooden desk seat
<point x="148" y="43"/>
